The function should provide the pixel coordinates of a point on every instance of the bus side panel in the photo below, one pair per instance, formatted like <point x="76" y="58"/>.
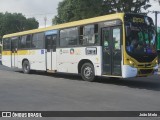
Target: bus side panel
<point x="36" y="59"/>
<point x="69" y="58"/>
<point x="6" y="58"/>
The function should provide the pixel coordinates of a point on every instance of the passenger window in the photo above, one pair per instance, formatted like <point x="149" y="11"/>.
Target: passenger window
<point x="38" y="41"/>
<point x="89" y="35"/>
<point x="25" y="41"/>
<point x="14" y="42"/>
<point x="28" y="41"/>
<point x="69" y="37"/>
<point x="6" y="44"/>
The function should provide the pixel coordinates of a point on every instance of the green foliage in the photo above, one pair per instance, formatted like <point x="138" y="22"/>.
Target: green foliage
<point x="31" y="23"/>
<point x="134" y="6"/>
<point x="16" y="22"/>
<point x="71" y="10"/>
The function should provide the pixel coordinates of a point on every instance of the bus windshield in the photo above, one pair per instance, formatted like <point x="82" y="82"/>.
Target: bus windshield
<point x="141" y="41"/>
<point x="140" y="38"/>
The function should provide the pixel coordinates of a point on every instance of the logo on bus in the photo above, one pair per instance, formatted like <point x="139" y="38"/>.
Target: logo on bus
<point x="71" y="51"/>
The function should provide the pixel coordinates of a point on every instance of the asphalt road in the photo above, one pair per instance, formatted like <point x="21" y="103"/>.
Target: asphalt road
<point x="61" y="92"/>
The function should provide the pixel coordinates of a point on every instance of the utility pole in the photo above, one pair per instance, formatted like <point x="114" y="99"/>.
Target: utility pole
<point x="45" y="20"/>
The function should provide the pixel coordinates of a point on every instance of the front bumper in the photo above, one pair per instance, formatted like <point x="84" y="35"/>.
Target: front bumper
<point x="129" y="71"/>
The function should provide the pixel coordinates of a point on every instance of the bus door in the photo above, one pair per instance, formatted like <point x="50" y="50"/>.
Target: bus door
<point x="51" y="51"/>
<point x="14" y="54"/>
<point x="111" y="46"/>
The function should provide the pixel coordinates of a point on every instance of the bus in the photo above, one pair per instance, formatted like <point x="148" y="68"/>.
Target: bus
<point x="0" y="53"/>
<point x="158" y="44"/>
<point x="158" y="39"/>
<point x="120" y="45"/>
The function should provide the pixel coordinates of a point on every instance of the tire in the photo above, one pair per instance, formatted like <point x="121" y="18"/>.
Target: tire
<point x="87" y="72"/>
<point x="26" y="67"/>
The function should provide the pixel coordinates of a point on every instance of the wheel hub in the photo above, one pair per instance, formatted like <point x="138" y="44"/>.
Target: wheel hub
<point x="87" y="72"/>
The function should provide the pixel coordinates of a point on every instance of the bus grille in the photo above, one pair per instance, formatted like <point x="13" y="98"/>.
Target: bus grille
<point x="145" y="65"/>
<point x="147" y="71"/>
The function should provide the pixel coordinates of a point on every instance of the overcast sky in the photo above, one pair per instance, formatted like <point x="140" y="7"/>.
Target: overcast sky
<point x="32" y="8"/>
<point x="41" y="8"/>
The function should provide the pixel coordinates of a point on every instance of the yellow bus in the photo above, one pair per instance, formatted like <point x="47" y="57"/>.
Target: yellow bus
<point x="117" y="45"/>
<point x="0" y="52"/>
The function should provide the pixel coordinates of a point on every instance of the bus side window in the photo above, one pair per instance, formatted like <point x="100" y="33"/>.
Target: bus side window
<point x="14" y="43"/>
<point x="28" y="41"/>
<point x="38" y="41"/>
<point x="81" y="42"/>
<point x="69" y="37"/>
<point x="89" y="34"/>
<point x="25" y="41"/>
<point x="6" y="44"/>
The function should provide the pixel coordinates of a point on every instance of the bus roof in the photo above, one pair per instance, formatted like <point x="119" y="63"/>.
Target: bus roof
<point x="70" y="24"/>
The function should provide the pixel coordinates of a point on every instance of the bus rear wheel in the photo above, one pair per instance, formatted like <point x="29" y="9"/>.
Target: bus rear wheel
<point x="26" y="67"/>
<point x="87" y="72"/>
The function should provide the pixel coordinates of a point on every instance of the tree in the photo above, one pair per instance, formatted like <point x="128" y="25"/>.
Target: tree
<point x="134" y="6"/>
<point x="31" y="23"/>
<point x="71" y="10"/>
<point x="157" y="1"/>
<point x="16" y="22"/>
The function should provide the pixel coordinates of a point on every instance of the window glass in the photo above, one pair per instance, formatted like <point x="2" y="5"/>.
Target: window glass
<point x="89" y="35"/>
<point x="69" y="37"/>
<point x="25" y="41"/>
<point x="38" y="41"/>
<point x="28" y="41"/>
<point x="51" y="42"/>
<point x="0" y="49"/>
<point x="48" y="42"/>
<point x="141" y="41"/>
<point x="14" y="43"/>
<point x="106" y="41"/>
<point x="116" y="38"/>
<point x="6" y="44"/>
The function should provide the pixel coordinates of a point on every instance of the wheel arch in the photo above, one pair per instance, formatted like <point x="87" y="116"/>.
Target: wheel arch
<point x="25" y="59"/>
<point x="83" y="61"/>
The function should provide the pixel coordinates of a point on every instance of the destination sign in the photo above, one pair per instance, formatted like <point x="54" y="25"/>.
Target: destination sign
<point x="138" y="20"/>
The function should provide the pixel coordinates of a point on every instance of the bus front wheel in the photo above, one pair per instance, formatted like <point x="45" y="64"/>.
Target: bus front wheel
<point x="26" y="67"/>
<point x="87" y="72"/>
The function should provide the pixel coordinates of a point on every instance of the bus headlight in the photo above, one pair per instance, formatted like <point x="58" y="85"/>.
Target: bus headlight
<point x="131" y="62"/>
<point x="156" y="61"/>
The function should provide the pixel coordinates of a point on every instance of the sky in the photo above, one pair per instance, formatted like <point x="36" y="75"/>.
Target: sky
<point x="32" y="8"/>
<point x="46" y="8"/>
